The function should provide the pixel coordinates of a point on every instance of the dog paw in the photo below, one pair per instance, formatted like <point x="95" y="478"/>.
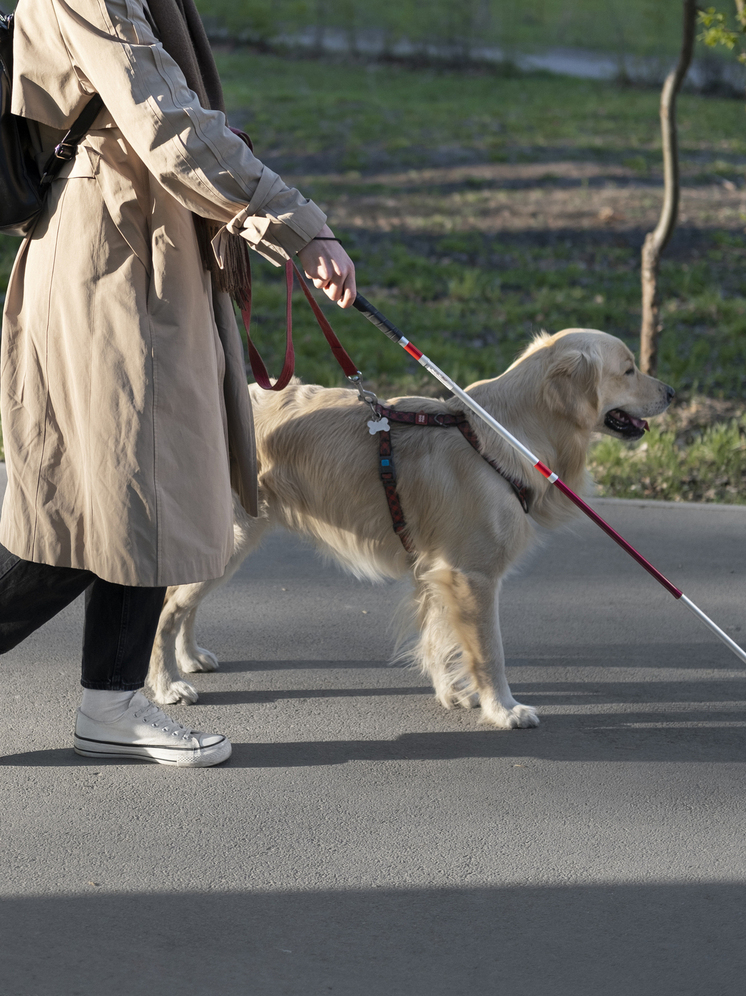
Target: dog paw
<point x="176" y="691"/>
<point x="524" y="716"/>
<point x="199" y="660"/>
<point x="514" y="717"/>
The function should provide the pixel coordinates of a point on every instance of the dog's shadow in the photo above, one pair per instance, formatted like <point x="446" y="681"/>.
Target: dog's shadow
<point x="239" y="667"/>
<point x="251" y="698"/>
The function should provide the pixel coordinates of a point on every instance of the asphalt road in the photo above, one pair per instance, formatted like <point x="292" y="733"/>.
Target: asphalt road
<point x="364" y="842"/>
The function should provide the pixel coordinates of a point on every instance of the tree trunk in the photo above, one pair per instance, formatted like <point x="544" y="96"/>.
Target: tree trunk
<point x="656" y="241"/>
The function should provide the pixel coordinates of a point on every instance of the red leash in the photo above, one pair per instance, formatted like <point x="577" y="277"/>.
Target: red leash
<point x="288" y="368"/>
<point x="387" y="470"/>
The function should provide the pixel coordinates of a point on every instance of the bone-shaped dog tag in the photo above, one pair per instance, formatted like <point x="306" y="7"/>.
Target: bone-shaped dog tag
<point x="379" y="425"/>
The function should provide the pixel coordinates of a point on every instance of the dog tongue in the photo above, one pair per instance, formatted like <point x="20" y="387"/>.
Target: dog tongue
<point x="639" y="423"/>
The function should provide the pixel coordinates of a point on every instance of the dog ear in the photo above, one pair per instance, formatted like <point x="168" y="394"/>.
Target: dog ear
<point x="572" y="384"/>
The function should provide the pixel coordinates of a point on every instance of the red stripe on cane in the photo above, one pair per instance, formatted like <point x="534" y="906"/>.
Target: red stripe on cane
<point x="609" y="530"/>
<point x="620" y="540"/>
<point x="413" y="351"/>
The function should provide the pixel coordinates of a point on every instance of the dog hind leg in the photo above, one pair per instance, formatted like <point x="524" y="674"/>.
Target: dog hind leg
<point x="190" y="657"/>
<point x="164" y="683"/>
<point x="438" y="652"/>
<point x="175" y="646"/>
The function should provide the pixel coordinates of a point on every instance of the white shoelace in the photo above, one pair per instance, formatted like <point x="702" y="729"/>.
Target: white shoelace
<point x="155" y="717"/>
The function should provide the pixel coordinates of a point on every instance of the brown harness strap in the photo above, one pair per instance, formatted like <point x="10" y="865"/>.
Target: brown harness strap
<point x="388" y="479"/>
<point x="440" y="420"/>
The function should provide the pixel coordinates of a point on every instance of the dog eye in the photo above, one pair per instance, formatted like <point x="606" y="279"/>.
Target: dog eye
<point x="628" y="373"/>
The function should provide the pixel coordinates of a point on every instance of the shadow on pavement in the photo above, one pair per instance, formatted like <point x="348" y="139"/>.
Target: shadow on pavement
<point x="711" y="655"/>
<point x="637" y="738"/>
<point x="233" y="667"/>
<point x="679" y="745"/>
<point x="650" y="940"/>
<point x="245" y="696"/>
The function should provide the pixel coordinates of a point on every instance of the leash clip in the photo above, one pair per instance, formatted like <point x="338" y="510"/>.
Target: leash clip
<point x="378" y="423"/>
<point x="367" y="397"/>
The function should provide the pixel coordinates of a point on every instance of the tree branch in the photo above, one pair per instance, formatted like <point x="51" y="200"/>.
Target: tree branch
<point x="656" y="241"/>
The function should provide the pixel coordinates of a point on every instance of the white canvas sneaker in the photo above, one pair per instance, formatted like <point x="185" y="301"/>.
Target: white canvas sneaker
<point x="146" y="732"/>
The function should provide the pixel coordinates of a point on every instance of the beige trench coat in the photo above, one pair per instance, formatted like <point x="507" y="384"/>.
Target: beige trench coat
<point x="122" y="376"/>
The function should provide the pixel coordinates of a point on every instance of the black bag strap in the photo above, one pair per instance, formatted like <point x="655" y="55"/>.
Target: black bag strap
<point x="67" y="148"/>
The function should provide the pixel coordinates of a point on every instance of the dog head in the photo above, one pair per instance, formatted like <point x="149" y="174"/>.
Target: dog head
<point x="591" y="380"/>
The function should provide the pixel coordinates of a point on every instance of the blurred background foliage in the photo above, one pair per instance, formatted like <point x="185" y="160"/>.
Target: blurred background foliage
<point x="482" y="204"/>
<point x="642" y="27"/>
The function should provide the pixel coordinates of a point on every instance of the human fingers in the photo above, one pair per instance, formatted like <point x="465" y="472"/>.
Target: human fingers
<point x="330" y="269"/>
<point x="341" y="285"/>
<point x="349" y="292"/>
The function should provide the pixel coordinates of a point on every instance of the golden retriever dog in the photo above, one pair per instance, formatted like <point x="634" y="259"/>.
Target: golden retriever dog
<point x="319" y="477"/>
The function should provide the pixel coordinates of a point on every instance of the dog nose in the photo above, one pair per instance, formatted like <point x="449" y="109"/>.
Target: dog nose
<point x="669" y="394"/>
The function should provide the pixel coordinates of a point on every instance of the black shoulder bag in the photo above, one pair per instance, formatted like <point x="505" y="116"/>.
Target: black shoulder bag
<point x="22" y="187"/>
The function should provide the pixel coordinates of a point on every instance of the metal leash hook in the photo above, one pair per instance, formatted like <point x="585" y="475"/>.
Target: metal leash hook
<point x="378" y="423"/>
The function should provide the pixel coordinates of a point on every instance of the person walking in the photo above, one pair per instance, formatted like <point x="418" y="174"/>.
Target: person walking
<point x="125" y="409"/>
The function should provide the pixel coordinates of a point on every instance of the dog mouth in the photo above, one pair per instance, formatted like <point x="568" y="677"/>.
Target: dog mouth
<point x="625" y="425"/>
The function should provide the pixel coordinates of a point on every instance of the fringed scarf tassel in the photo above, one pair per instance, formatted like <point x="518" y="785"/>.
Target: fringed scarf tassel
<point x="235" y="275"/>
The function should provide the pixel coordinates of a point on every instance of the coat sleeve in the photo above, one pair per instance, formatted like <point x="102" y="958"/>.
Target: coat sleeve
<point x="190" y="150"/>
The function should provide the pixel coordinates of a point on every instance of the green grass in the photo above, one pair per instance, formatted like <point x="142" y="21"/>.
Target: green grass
<point x="356" y="116"/>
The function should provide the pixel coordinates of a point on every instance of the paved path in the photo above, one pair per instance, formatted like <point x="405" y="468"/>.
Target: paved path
<point x="364" y="842"/>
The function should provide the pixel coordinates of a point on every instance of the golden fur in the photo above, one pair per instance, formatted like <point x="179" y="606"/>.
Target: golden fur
<point x="318" y="476"/>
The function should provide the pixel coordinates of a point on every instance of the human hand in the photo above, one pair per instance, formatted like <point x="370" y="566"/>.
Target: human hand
<point x="329" y="268"/>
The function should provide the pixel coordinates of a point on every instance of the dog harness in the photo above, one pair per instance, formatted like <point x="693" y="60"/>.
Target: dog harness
<point x="439" y="420"/>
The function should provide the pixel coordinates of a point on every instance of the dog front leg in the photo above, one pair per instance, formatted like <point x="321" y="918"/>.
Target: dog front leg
<point x="476" y="621"/>
<point x="499" y="708"/>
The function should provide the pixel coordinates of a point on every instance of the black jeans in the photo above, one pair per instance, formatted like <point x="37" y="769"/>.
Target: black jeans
<point x="120" y="621"/>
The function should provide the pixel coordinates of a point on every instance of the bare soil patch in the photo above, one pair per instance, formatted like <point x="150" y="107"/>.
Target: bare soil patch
<point x="519" y="197"/>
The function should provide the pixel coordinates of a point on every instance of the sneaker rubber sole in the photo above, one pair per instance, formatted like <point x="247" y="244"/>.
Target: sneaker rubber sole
<point x="181" y="757"/>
